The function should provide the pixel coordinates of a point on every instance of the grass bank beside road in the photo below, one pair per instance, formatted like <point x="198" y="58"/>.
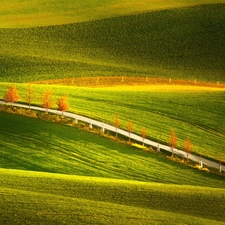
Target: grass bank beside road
<point x="37" y="145"/>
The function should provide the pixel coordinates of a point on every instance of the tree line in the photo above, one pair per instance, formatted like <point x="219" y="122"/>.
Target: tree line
<point x="172" y="140"/>
<point x="47" y="102"/>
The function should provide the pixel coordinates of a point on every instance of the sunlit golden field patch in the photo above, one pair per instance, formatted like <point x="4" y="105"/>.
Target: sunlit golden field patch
<point x="164" y="88"/>
<point x="44" y="13"/>
<point x="125" y="81"/>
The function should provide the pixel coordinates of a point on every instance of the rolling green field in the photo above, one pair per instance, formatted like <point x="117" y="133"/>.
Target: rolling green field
<point x="192" y="112"/>
<point x="182" y="43"/>
<point x="170" y="190"/>
<point x="171" y="193"/>
<point x="43" y="146"/>
<point x="43" y="198"/>
<point x="19" y="13"/>
<point x="56" y="174"/>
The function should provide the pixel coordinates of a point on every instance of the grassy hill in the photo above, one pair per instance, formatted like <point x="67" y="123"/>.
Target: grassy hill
<point x="34" y="198"/>
<point x="56" y="174"/>
<point x="54" y="194"/>
<point x="193" y="112"/>
<point x="182" y="43"/>
<point x="48" y="147"/>
<point x="33" y="13"/>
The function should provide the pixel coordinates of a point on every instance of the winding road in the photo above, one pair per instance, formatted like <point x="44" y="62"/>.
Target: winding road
<point x="104" y="126"/>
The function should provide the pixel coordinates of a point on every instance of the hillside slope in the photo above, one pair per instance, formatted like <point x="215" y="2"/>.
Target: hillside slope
<point x="185" y="43"/>
<point x="33" y="13"/>
<point x="48" y="147"/>
<point x="43" y="198"/>
<point x="188" y="110"/>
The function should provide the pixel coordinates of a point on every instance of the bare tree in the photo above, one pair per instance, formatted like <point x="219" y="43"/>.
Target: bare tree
<point x="29" y="95"/>
<point x="11" y="95"/>
<point x="129" y="128"/>
<point x="172" y="141"/>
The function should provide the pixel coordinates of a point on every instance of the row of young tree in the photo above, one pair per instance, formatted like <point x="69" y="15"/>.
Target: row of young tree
<point x="47" y="102"/>
<point x="172" y="140"/>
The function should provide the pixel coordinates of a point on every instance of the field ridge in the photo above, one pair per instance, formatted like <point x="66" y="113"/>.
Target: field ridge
<point x="135" y="45"/>
<point x="104" y="81"/>
<point x="17" y="14"/>
<point x="186" y="200"/>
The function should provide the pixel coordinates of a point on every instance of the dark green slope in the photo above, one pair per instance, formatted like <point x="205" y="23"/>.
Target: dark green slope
<point x="185" y="43"/>
<point x="36" y="145"/>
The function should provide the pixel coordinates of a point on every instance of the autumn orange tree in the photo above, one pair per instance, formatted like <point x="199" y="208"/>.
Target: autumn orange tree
<point x="172" y="141"/>
<point x="187" y="146"/>
<point x="116" y="123"/>
<point x="129" y="128"/>
<point x="47" y="101"/>
<point x="11" y="95"/>
<point x="29" y="95"/>
<point x="63" y="104"/>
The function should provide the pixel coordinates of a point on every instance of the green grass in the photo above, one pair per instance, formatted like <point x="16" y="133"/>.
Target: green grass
<point x="188" y="44"/>
<point x="198" y="115"/>
<point x="34" y="198"/>
<point x="101" y="181"/>
<point x="36" y="145"/>
<point x="44" y="13"/>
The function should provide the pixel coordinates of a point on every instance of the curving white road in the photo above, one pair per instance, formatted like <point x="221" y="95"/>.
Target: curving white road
<point x="133" y="136"/>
